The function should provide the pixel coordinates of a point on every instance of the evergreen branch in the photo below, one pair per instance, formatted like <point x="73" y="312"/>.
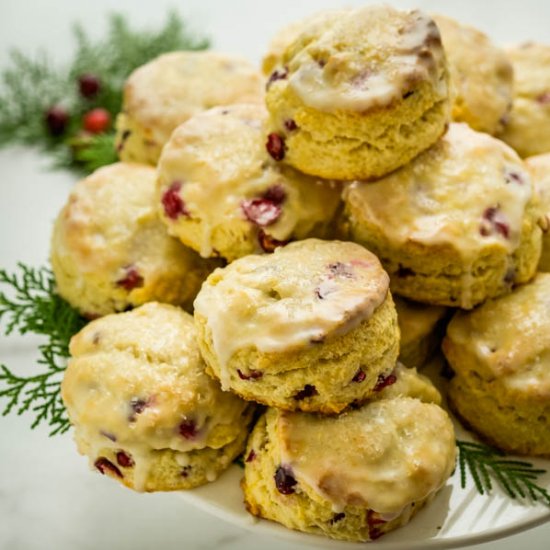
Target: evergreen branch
<point x="517" y="478"/>
<point x="33" y="84"/>
<point x="33" y="306"/>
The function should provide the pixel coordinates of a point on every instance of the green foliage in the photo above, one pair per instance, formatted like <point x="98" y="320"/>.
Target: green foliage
<point x="485" y="464"/>
<point x="31" y="85"/>
<point x="31" y="305"/>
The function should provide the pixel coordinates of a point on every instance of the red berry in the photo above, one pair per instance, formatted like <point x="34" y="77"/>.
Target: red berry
<point x="262" y="212"/>
<point x="275" y="194"/>
<point x="359" y="376"/>
<point x="384" y="381"/>
<point x="96" y="121"/>
<point x="131" y="280"/>
<point x="173" y="203"/>
<point x="290" y="124"/>
<point x="307" y="391"/>
<point x="252" y="375"/>
<point x="104" y="465"/>
<point x="124" y="459"/>
<point x="275" y="146"/>
<point x="56" y="118"/>
<point x="251" y="456"/>
<point x="284" y="480"/>
<point x="188" y="429"/>
<point x="494" y="222"/>
<point x="89" y="85"/>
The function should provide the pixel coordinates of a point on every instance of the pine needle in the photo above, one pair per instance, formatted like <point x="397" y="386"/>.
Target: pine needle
<point x="31" y="305"/>
<point x="517" y="478"/>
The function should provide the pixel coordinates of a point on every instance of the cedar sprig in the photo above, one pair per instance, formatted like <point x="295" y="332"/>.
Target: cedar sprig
<point x="31" y="305"/>
<point x="33" y="84"/>
<point x="485" y="464"/>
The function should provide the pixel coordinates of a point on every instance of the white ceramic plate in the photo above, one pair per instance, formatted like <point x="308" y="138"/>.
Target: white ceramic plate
<point x="456" y="517"/>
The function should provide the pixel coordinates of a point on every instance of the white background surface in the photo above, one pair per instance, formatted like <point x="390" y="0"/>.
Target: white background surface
<point x="48" y="498"/>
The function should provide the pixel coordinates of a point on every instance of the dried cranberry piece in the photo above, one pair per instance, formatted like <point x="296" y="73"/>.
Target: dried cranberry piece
<point x="277" y="74"/>
<point x="359" y="376"/>
<point x="124" y="459"/>
<point x="251" y="456"/>
<point x="131" y="280"/>
<point x="261" y="212"/>
<point x="138" y="406"/>
<point x="511" y="176"/>
<point x="290" y="125"/>
<point x="373" y="522"/>
<point x="188" y="429"/>
<point x="252" y="375"/>
<point x="173" y="204"/>
<point x="384" y="381"/>
<point x="275" y="194"/>
<point x="275" y="146"/>
<point x="307" y="391"/>
<point x="544" y="98"/>
<point x="284" y="480"/>
<point x="496" y="223"/>
<point x="337" y="517"/>
<point x="104" y="466"/>
<point x="268" y="243"/>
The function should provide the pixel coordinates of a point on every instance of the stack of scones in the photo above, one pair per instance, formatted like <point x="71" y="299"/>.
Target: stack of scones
<point x="276" y="254"/>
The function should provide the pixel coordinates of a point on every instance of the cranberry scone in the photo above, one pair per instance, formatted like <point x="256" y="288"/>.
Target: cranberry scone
<point x="311" y="327"/>
<point x="143" y="409"/>
<point x="110" y="251"/>
<point x="352" y="477"/>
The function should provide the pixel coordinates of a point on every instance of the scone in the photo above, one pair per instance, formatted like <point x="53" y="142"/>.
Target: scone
<point x="168" y="90"/>
<point x="312" y="24"/>
<point x="421" y="327"/>
<point x="353" y="477"/>
<point x="310" y="327"/>
<point x="221" y="194"/>
<point x="110" y="251"/>
<point x="500" y="353"/>
<point x="143" y="409"/>
<point x="539" y="166"/>
<point x="456" y="226"/>
<point x="481" y="76"/>
<point x="360" y="97"/>
<point x="528" y="127"/>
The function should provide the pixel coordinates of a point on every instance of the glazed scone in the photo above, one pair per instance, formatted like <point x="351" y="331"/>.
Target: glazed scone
<point x="407" y="382"/>
<point x="539" y="166"/>
<point x="500" y="354"/>
<point x="360" y="97"/>
<point x="221" y="194"/>
<point x="481" y="76"/>
<point x="528" y="127"/>
<point x="352" y="477"/>
<point x="312" y="24"/>
<point x="143" y="409"/>
<point x="421" y="328"/>
<point x="310" y="327"/>
<point x="164" y="93"/>
<point x="456" y="226"/>
<point x="110" y="251"/>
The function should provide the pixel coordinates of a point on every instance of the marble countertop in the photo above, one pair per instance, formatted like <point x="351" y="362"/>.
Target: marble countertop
<point x="48" y="497"/>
